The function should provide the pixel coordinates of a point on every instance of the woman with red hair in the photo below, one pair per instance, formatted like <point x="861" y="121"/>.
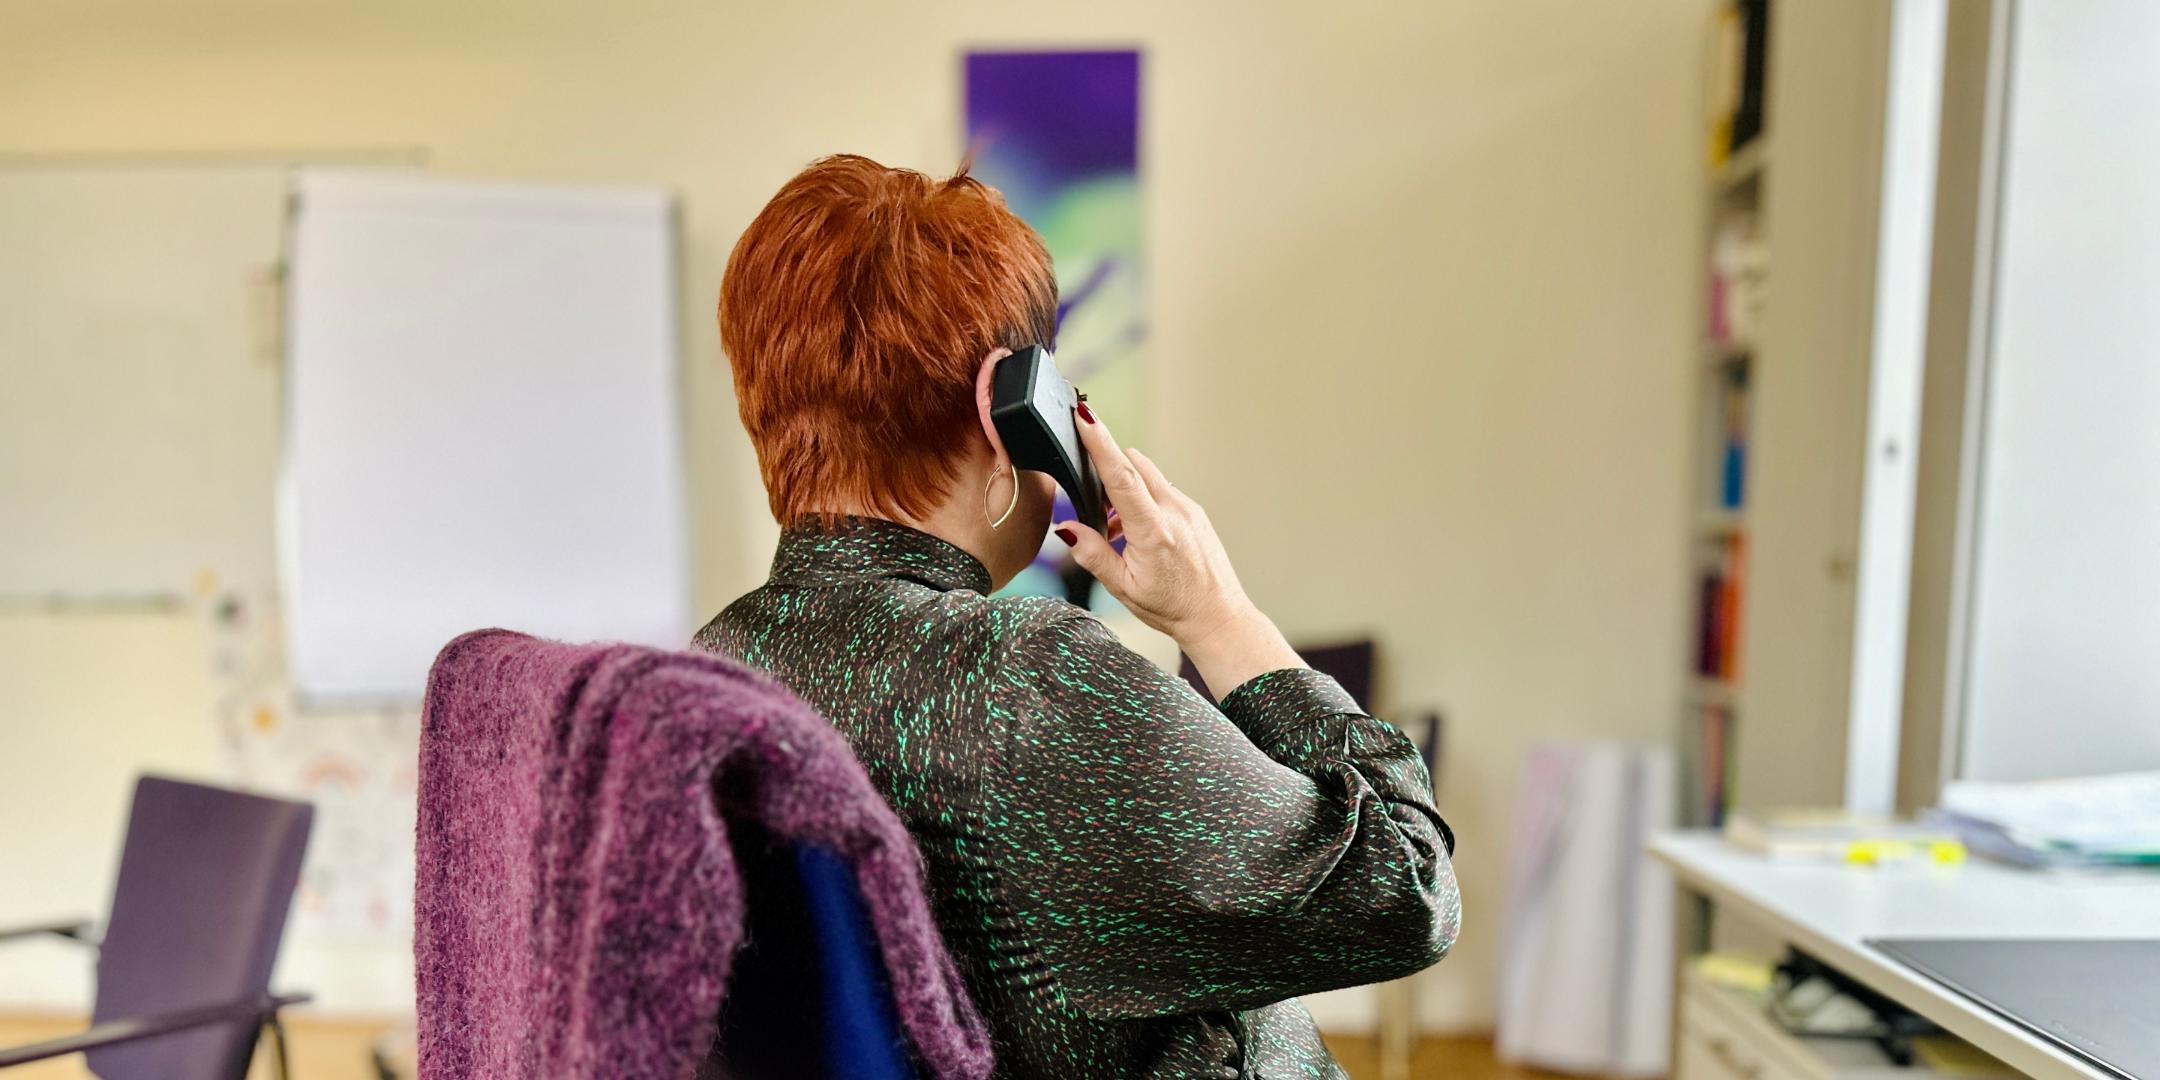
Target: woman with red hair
<point x="1135" y="882"/>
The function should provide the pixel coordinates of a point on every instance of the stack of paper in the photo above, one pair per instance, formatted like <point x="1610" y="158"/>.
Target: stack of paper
<point x="1841" y="837"/>
<point x="2093" y="820"/>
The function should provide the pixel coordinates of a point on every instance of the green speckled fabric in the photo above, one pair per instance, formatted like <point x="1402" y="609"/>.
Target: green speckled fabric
<point x="1135" y="883"/>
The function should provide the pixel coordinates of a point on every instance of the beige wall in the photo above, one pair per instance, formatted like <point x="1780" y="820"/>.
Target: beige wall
<point x="1425" y="283"/>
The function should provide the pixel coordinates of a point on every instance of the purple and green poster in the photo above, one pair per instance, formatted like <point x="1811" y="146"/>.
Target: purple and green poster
<point x="1059" y="134"/>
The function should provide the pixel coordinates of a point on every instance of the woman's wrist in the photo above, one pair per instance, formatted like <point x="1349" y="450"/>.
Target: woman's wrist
<point x="1237" y="646"/>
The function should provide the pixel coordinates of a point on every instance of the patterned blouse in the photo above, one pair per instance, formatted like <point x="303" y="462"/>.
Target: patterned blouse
<point x="1135" y="883"/>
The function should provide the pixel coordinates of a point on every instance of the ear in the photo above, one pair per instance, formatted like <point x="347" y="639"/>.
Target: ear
<point x="982" y="400"/>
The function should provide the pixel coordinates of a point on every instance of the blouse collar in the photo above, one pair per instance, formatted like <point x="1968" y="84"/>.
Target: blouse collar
<point x="853" y="547"/>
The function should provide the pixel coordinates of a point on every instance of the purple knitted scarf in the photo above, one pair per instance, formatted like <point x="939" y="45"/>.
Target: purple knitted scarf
<point x="578" y="906"/>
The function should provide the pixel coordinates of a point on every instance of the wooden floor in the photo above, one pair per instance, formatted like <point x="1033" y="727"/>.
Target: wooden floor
<point x="321" y="1049"/>
<point x="1439" y="1059"/>
<point x="325" y="1049"/>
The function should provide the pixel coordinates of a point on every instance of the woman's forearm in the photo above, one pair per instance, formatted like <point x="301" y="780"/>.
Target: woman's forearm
<point x="1242" y="646"/>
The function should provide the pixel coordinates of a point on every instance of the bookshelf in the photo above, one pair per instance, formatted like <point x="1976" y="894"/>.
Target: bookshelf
<point x="1736" y="259"/>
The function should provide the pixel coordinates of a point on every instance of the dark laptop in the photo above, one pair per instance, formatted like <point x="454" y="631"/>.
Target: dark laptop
<point x="2099" y="1000"/>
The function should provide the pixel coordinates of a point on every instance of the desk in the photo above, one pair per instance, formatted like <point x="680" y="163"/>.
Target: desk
<point x="1827" y="910"/>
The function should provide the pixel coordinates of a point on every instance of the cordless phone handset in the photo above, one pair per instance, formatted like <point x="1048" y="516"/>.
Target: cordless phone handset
<point x="1033" y="408"/>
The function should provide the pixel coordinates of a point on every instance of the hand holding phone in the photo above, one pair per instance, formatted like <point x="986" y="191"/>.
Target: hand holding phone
<point x="1173" y="574"/>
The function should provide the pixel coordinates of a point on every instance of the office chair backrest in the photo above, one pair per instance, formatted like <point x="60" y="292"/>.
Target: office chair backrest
<point x="206" y="877"/>
<point x="808" y="966"/>
<point x="1349" y="663"/>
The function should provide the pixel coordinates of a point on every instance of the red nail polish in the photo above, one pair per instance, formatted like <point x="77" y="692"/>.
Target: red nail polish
<point x="1070" y="537"/>
<point x="1085" y="414"/>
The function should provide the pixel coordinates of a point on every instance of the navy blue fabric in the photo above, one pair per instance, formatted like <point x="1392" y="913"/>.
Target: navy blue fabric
<point x="863" y="1040"/>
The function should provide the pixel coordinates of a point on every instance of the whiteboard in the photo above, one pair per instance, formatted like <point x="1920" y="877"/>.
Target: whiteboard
<point x="138" y="377"/>
<point x="482" y="425"/>
<point x="2063" y="673"/>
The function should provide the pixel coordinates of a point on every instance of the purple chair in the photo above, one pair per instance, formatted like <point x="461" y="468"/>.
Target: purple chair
<point x="183" y="974"/>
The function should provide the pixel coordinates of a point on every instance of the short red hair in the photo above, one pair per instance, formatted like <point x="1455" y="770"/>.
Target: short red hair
<point x="856" y="310"/>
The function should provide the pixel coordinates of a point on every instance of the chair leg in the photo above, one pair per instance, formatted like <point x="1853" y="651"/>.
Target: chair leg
<point x="277" y="1045"/>
<point x="1398" y="1029"/>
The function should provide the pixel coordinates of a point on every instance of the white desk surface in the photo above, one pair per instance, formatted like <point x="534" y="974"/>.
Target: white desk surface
<point x="1827" y="910"/>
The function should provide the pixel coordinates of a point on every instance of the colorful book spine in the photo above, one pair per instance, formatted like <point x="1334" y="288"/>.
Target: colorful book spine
<point x="1717" y="654"/>
<point x="1732" y="468"/>
<point x="1713" y="755"/>
<point x="1728" y="626"/>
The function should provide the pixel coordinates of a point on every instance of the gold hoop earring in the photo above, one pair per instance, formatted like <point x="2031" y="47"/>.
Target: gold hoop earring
<point x="991" y="483"/>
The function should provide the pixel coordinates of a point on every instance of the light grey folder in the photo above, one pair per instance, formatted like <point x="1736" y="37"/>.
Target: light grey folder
<point x="2099" y="1000"/>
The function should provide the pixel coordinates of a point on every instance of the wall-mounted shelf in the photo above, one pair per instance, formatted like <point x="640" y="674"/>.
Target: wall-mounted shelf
<point x="1712" y="692"/>
<point x="1737" y="264"/>
<point x="1718" y="355"/>
<point x="1721" y="522"/>
<point x="1743" y="168"/>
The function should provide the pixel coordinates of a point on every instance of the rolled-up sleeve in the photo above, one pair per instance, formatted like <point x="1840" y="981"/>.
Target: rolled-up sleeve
<point x="1161" y="855"/>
